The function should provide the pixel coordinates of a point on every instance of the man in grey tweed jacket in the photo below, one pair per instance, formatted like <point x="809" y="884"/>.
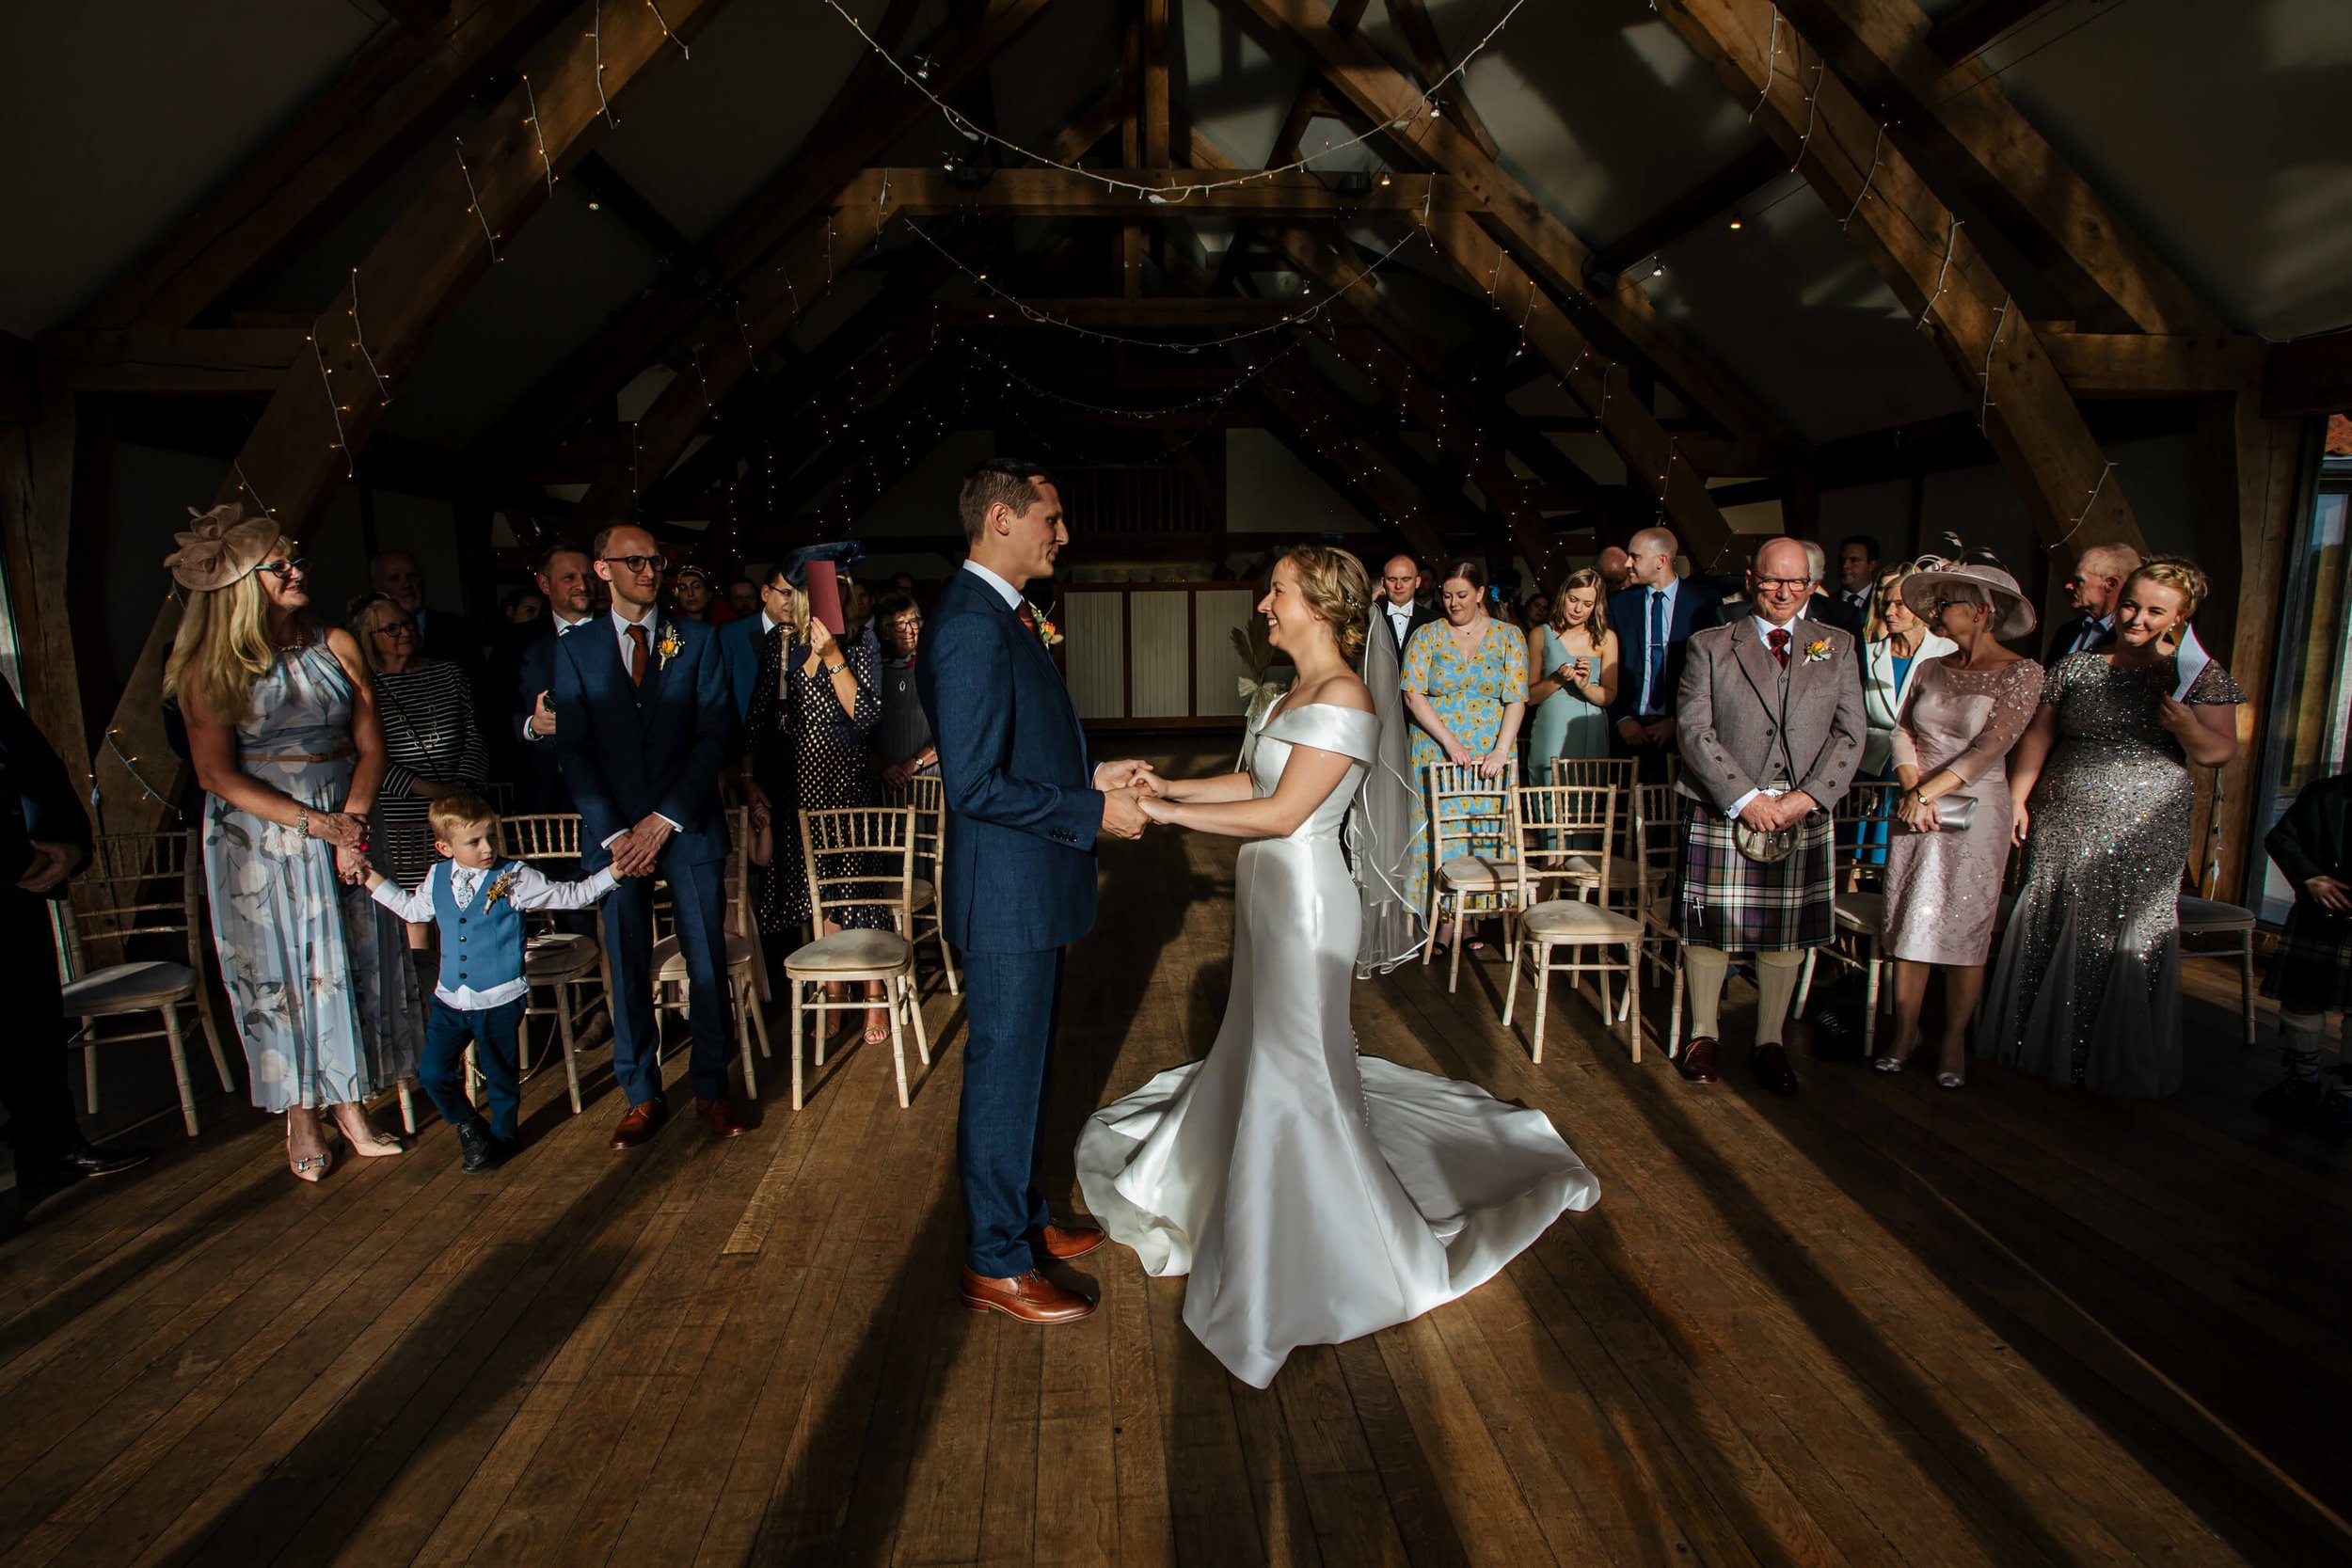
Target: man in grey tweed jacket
<point x="1772" y="728"/>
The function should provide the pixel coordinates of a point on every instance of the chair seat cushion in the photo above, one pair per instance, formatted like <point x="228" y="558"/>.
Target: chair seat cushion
<point x="2206" y="916"/>
<point x="1573" y="920"/>
<point x="1476" y="872"/>
<point x="558" y="956"/>
<point x="1662" y="913"/>
<point x="851" y="953"/>
<point x="920" y="895"/>
<point x="129" y="987"/>
<point x="1623" y="873"/>
<point x="669" y="963"/>
<point x="1864" y="910"/>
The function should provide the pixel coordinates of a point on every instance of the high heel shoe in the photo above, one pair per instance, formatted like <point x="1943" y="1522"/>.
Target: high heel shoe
<point x="365" y="1140"/>
<point x="308" y="1167"/>
<point x="1951" y="1081"/>
<point x="1891" y="1062"/>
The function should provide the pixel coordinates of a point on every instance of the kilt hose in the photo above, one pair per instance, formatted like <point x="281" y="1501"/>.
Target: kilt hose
<point x="2312" y="972"/>
<point x="1740" y="905"/>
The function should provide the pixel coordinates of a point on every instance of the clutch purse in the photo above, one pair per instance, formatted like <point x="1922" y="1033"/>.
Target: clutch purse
<point x="1954" y="814"/>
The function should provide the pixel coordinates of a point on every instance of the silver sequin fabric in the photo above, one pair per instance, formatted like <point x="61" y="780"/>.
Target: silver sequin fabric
<point x="2087" y="990"/>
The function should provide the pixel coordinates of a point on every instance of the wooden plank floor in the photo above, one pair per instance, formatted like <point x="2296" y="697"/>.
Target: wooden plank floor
<point x="1878" y="1324"/>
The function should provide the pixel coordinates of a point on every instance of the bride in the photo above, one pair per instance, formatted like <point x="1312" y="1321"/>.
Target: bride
<point x="1312" y="1195"/>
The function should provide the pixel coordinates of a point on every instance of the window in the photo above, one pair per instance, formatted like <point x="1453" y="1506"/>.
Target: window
<point x="2308" y="687"/>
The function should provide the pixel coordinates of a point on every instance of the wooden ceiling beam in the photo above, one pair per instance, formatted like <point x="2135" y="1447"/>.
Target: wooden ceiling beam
<point x="2141" y="364"/>
<point x="1346" y="15"/>
<point x="1537" y="241"/>
<point x="1973" y="24"/>
<point x="1919" y="246"/>
<point x="2309" y="375"/>
<point x="418" y="15"/>
<point x="1154" y="118"/>
<point x="1421" y="36"/>
<point x="1726" y="187"/>
<point x="405" y="85"/>
<point x="1183" y="192"/>
<point x="605" y="186"/>
<point x="325" y="408"/>
<point x="185" y="359"/>
<point x="1352" y="469"/>
<point x="20" y="394"/>
<point x="2006" y="168"/>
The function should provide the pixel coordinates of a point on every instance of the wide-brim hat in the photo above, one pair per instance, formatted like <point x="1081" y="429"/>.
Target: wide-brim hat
<point x="843" y="553"/>
<point x="2013" y="616"/>
<point x="223" y="548"/>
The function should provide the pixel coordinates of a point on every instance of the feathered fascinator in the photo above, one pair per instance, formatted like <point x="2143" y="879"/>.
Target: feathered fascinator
<point x="2012" y="616"/>
<point x="223" y="548"/>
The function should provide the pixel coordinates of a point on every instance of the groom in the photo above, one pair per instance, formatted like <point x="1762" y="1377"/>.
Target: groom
<point x="1017" y="873"/>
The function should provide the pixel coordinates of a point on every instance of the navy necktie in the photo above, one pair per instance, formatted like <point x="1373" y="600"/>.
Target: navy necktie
<point x="1657" y="699"/>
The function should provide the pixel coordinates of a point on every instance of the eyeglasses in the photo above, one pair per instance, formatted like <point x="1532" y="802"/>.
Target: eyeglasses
<point x="282" y="569"/>
<point x="1940" y="606"/>
<point x="906" y="623"/>
<point x="1784" y="585"/>
<point x="397" y="629"/>
<point x="640" y="562"/>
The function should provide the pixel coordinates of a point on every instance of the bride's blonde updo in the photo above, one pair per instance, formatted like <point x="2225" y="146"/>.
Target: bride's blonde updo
<point x="1338" y="590"/>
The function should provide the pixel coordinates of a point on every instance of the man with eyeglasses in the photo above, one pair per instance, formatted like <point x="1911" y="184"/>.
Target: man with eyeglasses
<point x="902" y="740"/>
<point x="1771" y="731"/>
<point x="2097" y="583"/>
<point x="740" y="641"/>
<point x="644" y="724"/>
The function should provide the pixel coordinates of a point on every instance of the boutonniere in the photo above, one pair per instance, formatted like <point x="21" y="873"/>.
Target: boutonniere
<point x="669" y="646"/>
<point x="1816" y="649"/>
<point x="499" y="888"/>
<point x="1046" y="632"/>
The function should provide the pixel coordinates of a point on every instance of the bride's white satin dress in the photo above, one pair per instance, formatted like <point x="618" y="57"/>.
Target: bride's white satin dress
<point x="1314" y="1196"/>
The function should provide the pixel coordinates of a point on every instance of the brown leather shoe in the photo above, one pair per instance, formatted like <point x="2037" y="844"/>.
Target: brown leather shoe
<point x="1032" y="1297"/>
<point x="637" y="1129"/>
<point x="1697" y="1061"/>
<point x="1769" y="1064"/>
<point x="1062" y="1242"/>
<point x="720" y="1116"/>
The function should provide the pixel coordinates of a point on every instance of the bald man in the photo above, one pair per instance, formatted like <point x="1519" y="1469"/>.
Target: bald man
<point x="1616" y="568"/>
<point x="2097" y="583"/>
<point x="1771" y="730"/>
<point x="1653" y="618"/>
<point x="1401" y="609"/>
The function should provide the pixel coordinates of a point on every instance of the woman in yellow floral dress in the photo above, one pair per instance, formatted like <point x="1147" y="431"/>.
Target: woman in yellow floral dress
<point x="1465" y="685"/>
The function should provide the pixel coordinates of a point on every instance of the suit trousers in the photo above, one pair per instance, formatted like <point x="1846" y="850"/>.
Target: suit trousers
<point x="1012" y="1007"/>
<point x="33" y="1069"/>
<point x="442" y="1068"/>
<point x="697" y="900"/>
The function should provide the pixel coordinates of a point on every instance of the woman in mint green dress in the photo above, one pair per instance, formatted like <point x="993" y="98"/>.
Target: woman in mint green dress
<point x="1466" y="686"/>
<point x="1571" y="675"/>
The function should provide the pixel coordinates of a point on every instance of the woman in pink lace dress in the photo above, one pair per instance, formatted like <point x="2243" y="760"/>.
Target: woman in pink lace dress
<point x="1951" y="744"/>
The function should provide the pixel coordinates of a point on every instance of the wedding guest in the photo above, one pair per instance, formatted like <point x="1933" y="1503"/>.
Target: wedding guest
<point x="1965" y="710"/>
<point x="1401" y="609"/>
<point x="1822" y="607"/>
<point x="1655" y="618"/>
<point x="1858" y="573"/>
<point x="690" y="592"/>
<point x="565" y="576"/>
<point x="1572" y="676"/>
<point x="1770" y="733"/>
<point x="440" y="634"/>
<point x="282" y="731"/>
<point x="904" y="582"/>
<point x="2312" y="974"/>
<point x="523" y="606"/>
<point x="1895" y="643"/>
<point x="742" y="599"/>
<point x="645" y="727"/>
<point x="1465" y="687"/>
<point x="743" y="642"/>
<point x="2086" y="990"/>
<point x="45" y="840"/>
<point x="815" y="708"/>
<point x="902" y="740"/>
<point x="432" y="746"/>
<point x="1539" y="608"/>
<point x="1616" y="568"/>
<point x="2097" y="582"/>
<point x="481" y="995"/>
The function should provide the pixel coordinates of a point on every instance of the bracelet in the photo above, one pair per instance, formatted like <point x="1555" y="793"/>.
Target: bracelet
<point x="836" y="669"/>
<point x="302" y="820"/>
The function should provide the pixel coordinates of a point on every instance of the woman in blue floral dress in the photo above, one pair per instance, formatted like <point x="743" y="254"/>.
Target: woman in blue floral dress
<point x="317" y="972"/>
<point x="1465" y="685"/>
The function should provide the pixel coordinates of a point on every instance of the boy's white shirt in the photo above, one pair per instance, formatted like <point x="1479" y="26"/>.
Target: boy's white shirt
<point x="530" y="891"/>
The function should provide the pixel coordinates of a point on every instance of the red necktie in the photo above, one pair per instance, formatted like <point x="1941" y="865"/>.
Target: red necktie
<point x="1779" y="640"/>
<point x="636" y="655"/>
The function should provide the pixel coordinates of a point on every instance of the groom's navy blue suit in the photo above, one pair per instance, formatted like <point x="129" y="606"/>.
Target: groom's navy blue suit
<point x="630" y="751"/>
<point x="1016" y="886"/>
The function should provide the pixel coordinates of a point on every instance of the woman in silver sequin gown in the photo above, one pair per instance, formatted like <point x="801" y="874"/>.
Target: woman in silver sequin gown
<point x="2087" y="990"/>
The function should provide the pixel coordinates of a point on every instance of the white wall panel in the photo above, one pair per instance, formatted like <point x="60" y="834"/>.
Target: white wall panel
<point x="1160" y="643"/>
<point x="1094" y="652"/>
<point x="1216" y="613"/>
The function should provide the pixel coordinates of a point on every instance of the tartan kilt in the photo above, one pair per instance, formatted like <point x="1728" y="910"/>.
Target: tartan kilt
<point x="2312" y="972"/>
<point x="1730" y="902"/>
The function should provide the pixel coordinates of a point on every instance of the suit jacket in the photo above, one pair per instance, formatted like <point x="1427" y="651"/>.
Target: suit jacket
<point x="629" y="752"/>
<point x="2309" y="840"/>
<point x="1883" y="700"/>
<point x="1830" y="610"/>
<point x="537" y="764"/>
<point x="2065" y="633"/>
<point x="448" y="634"/>
<point x="1423" y="615"/>
<point x="1017" y="871"/>
<point x="1695" y="608"/>
<point x="1744" y="717"/>
<point x="38" y="799"/>
<point x="741" y="644"/>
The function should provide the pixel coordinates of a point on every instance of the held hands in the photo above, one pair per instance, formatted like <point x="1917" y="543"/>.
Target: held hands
<point x="1129" y="773"/>
<point x="635" y="851"/>
<point x="351" y="865"/>
<point x="341" y="828"/>
<point x="756" y="797"/>
<point x="1123" y="814"/>
<point x="1156" y="810"/>
<point x="1770" y="814"/>
<point x="2326" y="892"/>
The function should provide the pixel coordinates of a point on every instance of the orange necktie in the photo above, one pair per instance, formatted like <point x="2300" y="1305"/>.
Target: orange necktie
<point x="636" y="655"/>
<point x="1028" y="616"/>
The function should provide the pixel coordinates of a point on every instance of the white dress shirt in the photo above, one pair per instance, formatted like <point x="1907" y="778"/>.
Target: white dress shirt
<point x="1399" y="616"/>
<point x="531" y="890"/>
<point x="1650" y="705"/>
<point x="1005" y="591"/>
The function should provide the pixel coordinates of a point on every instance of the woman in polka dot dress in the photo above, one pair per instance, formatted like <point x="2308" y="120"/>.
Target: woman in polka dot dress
<point x="813" y="708"/>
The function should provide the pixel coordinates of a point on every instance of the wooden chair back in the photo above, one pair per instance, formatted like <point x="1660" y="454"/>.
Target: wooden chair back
<point x="1851" y="853"/>
<point x="926" y="794"/>
<point x="1549" y="821"/>
<point x="552" y="835"/>
<point x="1481" y="826"/>
<point x="135" y="885"/>
<point x="1658" y="816"/>
<point x="858" y="857"/>
<point x="1595" y="773"/>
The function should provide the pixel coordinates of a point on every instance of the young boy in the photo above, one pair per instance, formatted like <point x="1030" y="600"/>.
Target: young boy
<point x="477" y="898"/>
<point x="2312" y="974"/>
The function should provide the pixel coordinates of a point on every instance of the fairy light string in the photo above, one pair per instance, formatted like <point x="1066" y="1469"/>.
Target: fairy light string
<point x="473" y="201"/>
